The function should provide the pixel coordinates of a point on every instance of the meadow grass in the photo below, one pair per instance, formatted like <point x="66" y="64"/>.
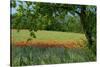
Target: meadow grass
<point x="30" y="55"/>
<point x="22" y="56"/>
<point x="23" y="35"/>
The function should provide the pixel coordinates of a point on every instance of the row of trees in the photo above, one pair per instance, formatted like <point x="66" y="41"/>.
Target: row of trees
<point x="68" y="24"/>
<point x="52" y="16"/>
<point x="39" y="20"/>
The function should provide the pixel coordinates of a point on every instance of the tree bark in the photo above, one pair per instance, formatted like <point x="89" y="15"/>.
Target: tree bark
<point x="85" y="24"/>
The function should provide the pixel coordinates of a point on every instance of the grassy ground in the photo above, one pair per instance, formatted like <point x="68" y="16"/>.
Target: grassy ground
<point x="30" y="55"/>
<point x="22" y="56"/>
<point x="23" y="35"/>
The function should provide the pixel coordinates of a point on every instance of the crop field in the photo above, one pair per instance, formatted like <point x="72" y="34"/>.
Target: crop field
<point x="49" y="47"/>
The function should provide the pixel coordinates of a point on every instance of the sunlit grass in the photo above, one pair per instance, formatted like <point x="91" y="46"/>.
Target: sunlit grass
<point x="23" y="35"/>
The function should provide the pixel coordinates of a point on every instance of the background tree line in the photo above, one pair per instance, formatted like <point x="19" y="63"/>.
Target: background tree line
<point x="70" y="24"/>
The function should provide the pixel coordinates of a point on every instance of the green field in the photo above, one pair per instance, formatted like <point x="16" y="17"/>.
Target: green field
<point x="28" y="55"/>
<point x="23" y="35"/>
<point x="39" y="56"/>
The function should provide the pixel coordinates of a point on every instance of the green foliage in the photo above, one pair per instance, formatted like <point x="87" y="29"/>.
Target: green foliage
<point x="32" y="34"/>
<point x="88" y="20"/>
<point x="42" y="16"/>
<point x="13" y="3"/>
<point x="51" y="16"/>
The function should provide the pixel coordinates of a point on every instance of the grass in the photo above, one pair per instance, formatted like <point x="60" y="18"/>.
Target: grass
<point x="31" y="55"/>
<point x="23" y="56"/>
<point x="23" y="35"/>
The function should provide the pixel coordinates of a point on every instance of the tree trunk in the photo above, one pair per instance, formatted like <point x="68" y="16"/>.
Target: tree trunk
<point x="85" y="24"/>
